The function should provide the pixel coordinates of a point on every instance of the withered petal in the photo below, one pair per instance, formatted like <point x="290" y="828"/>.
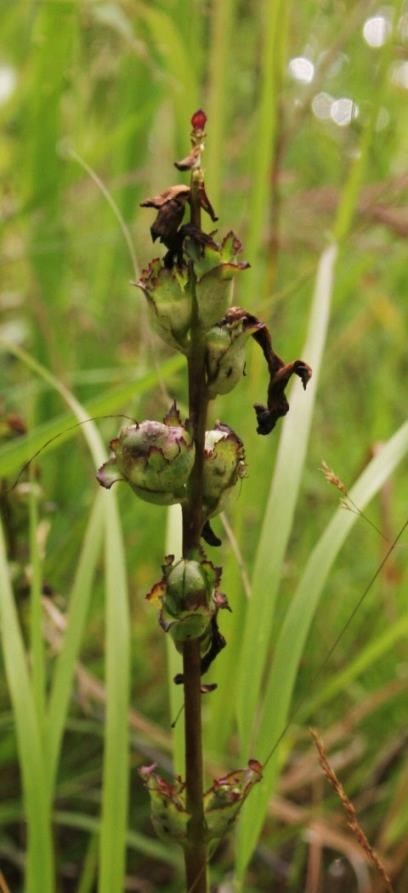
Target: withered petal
<point x="279" y="376"/>
<point x="189" y="230"/>
<point x="167" y="222"/>
<point x="191" y="160"/>
<point x="205" y="202"/>
<point x="278" y="406"/>
<point x="209" y="536"/>
<point x="208" y="688"/>
<point x="173" y="417"/>
<point x="217" y="643"/>
<point x="156" y="593"/>
<point x="180" y="192"/>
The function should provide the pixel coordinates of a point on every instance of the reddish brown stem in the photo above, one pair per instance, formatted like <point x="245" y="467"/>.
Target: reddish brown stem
<point x="196" y="851"/>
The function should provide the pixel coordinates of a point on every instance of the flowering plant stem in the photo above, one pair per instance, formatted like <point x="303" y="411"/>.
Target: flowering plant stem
<point x="188" y="294"/>
<point x="195" y="853"/>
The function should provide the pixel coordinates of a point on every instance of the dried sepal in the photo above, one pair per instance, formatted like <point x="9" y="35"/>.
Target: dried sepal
<point x="168" y="808"/>
<point x="223" y="801"/>
<point x="109" y="474"/>
<point x="156" y="593"/>
<point x="191" y="161"/>
<point x="205" y="203"/>
<point x="173" y="417"/>
<point x="179" y="192"/>
<point x="222" y="253"/>
<point x="155" y="458"/>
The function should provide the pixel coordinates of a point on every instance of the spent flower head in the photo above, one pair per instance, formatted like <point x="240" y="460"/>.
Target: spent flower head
<point x="198" y="464"/>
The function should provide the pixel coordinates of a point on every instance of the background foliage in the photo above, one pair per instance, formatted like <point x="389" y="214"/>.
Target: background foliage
<point x="306" y="160"/>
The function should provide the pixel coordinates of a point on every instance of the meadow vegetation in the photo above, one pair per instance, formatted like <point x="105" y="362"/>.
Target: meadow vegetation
<point x="306" y="160"/>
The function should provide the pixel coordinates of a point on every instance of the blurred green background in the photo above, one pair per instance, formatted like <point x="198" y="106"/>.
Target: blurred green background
<point x="307" y="142"/>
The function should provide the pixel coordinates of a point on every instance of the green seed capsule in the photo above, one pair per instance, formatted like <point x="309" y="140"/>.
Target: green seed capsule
<point x="168" y="295"/>
<point x="188" y="598"/>
<point x="155" y="458"/>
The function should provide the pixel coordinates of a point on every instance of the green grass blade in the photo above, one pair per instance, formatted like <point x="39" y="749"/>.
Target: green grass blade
<point x="294" y="631"/>
<point x="38" y="671"/>
<point x="115" y="773"/>
<point x="217" y="105"/>
<point x="14" y="455"/>
<point x="176" y="59"/>
<point x="77" y="614"/>
<point x="274" y="34"/>
<point x="116" y="756"/>
<point x="369" y="656"/>
<point x="89" y="867"/>
<point x="146" y="845"/>
<point x="89" y="431"/>
<point x="278" y="518"/>
<point x="52" y="29"/>
<point x="40" y="867"/>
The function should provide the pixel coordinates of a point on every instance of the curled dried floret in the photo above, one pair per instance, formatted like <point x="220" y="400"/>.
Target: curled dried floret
<point x="226" y="342"/>
<point x="170" y="206"/>
<point x="280" y="374"/>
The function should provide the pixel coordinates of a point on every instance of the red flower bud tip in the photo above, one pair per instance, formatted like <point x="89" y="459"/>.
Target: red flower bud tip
<point x="199" y="120"/>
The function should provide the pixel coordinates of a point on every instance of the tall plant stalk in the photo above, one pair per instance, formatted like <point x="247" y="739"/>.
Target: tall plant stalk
<point x="188" y="295"/>
<point x="195" y="853"/>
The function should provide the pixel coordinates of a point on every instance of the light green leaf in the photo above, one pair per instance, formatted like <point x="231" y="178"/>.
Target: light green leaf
<point x="294" y="631"/>
<point x="77" y="614"/>
<point x="40" y="861"/>
<point x="13" y="455"/>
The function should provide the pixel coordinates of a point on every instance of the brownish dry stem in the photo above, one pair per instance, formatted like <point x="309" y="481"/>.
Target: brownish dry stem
<point x="350" y="811"/>
<point x="196" y="851"/>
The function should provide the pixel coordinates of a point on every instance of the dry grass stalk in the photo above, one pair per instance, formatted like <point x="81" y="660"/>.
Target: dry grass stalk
<point x="350" y="811"/>
<point x="332" y="478"/>
<point x="3" y="886"/>
<point x="347" y="502"/>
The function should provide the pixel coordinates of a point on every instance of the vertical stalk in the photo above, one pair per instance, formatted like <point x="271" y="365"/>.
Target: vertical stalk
<point x="196" y="851"/>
